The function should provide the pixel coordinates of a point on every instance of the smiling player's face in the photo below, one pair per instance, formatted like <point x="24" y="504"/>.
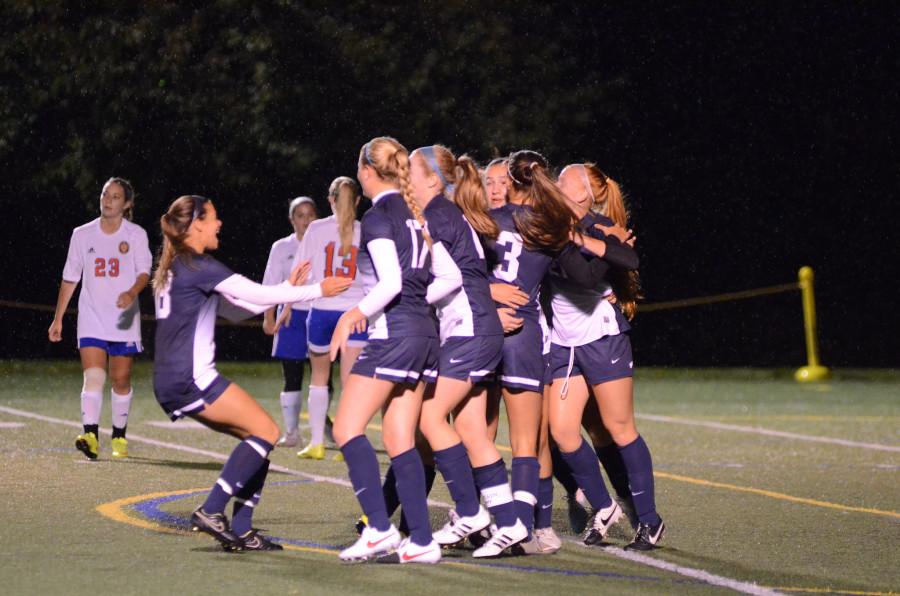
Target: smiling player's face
<point x="207" y="228"/>
<point x="496" y="183"/>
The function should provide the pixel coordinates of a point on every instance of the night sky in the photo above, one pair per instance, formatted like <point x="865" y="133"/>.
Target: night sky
<point x="750" y="141"/>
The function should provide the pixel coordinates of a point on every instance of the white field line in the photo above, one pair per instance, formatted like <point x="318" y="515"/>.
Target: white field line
<point x="211" y="454"/>
<point x="12" y="424"/>
<point x="698" y="574"/>
<point x="705" y="576"/>
<point x="768" y="432"/>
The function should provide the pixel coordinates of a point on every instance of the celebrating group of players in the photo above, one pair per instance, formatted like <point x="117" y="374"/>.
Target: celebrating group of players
<point x="459" y="287"/>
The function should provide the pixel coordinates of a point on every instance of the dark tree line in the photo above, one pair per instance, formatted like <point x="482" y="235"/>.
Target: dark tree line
<point x="744" y="136"/>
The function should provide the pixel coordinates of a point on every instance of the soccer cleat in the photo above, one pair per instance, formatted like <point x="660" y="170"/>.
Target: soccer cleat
<point x="88" y="444"/>
<point x="253" y="540"/>
<point x="459" y="527"/>
<point x="290" y="439"/>
<point x="603" y="521"/>
<point x="338" y="456"/>
<point x="647" y="536"/>
<point x="119" y="447"/>
<point x="312" y="452"/>
<point x="578" y="515"/>
<point x="544" y="541"/>
<point x="216" y="525"/>
<point x="502" y="539"/>
<point x="371" y="543"/>
<point x="410" y="552"/>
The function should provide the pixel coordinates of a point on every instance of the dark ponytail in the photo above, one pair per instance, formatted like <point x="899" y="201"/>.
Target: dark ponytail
<point x="549" y="222"/>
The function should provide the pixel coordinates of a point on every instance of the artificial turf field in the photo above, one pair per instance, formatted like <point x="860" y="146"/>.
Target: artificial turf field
<point x="765" y="484"/>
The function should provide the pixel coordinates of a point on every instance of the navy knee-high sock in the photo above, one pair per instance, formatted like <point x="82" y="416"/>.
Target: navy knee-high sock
<point x="611" y="460"/>
<point x="245" y="460"/>
<point x="586" y="470"/>
<point x="562" y="472"/>
<point x="246" y="500"/>
<point x="492" y="482"/>
<point x="525" y="478"/>
<point x="411" y="489"/>
<point x="636" y="456"/>
<point x="543" y="511"/>
<point x="453" y="464"/>
<point x="389" y="490"/>
<point x="365" y="475"/>
<point x="430" y="473"/>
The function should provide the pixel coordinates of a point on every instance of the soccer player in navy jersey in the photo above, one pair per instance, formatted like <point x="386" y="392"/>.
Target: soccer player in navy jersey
<point x="534" y="229"/>
<point x="591" y="353"/>
<point x="455" y="205"/>
<point x="188" y="286"/>
<point x="395" y="264"/>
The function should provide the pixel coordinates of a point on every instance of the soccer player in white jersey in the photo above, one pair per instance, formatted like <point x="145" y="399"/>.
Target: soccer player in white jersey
<point x="289" y="344"/>
<point x="331" y="245"/>
<point x="190" y="288"/>
<point x="111" y="259"/>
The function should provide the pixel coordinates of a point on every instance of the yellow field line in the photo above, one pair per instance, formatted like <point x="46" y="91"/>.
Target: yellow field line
<point x="774" y="495"/>
<point x="114" y="510"/>
<point x="761" y="492"/>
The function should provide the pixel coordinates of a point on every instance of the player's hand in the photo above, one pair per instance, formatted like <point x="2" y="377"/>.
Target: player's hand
<point x="509" y="295"/>
<point x="125" y="300"/>
<point x="284" y="319"/>
<point x="509" y="320"/>
<point x="300" y="273"/>
<point x="361" y="326"/>
<point x="345" y="326"/>
<point x="55" y="331"/>
<point x="332" y="286"/>
<point x="624" y="236"/>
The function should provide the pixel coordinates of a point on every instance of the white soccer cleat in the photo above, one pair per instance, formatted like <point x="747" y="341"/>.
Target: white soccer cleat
<point x="502" y="539"/>
<point x="291" y="439"/>
<point x="371" y="543"/>
<point x="460" y="527"/>
<point x="410" y="552"/>
<point x="603" y="521"/>
<point x="547" y="541"/>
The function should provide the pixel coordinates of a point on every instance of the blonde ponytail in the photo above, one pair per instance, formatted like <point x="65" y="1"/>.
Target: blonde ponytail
<point x="345" y="192"/>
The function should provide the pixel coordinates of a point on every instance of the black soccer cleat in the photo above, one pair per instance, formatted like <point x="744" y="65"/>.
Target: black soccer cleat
<point x="216" y="525"/>
<point x="602" y="522"/>
<point x="647" y="536"/>
<point x="253" y="540"/>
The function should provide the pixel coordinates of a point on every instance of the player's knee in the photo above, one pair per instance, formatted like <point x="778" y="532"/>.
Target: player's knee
<point x="567" y="439"/>
<point x="269" y="432"/>
<point x="623" y="434"/>
<point x="94" y="379"/>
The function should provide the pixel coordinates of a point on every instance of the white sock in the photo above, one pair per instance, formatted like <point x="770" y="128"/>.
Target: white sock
<point x="121" y="405"/>
<point x="290" y="409"/>
<point x="91" y="402"/>
<point x="318" y="410"/>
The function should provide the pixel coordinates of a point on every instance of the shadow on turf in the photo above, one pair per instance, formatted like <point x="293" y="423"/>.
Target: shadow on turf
<point x="171" y="463"/>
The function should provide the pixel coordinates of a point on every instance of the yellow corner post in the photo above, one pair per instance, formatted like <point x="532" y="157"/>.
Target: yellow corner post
<point x="813" y="371"/>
